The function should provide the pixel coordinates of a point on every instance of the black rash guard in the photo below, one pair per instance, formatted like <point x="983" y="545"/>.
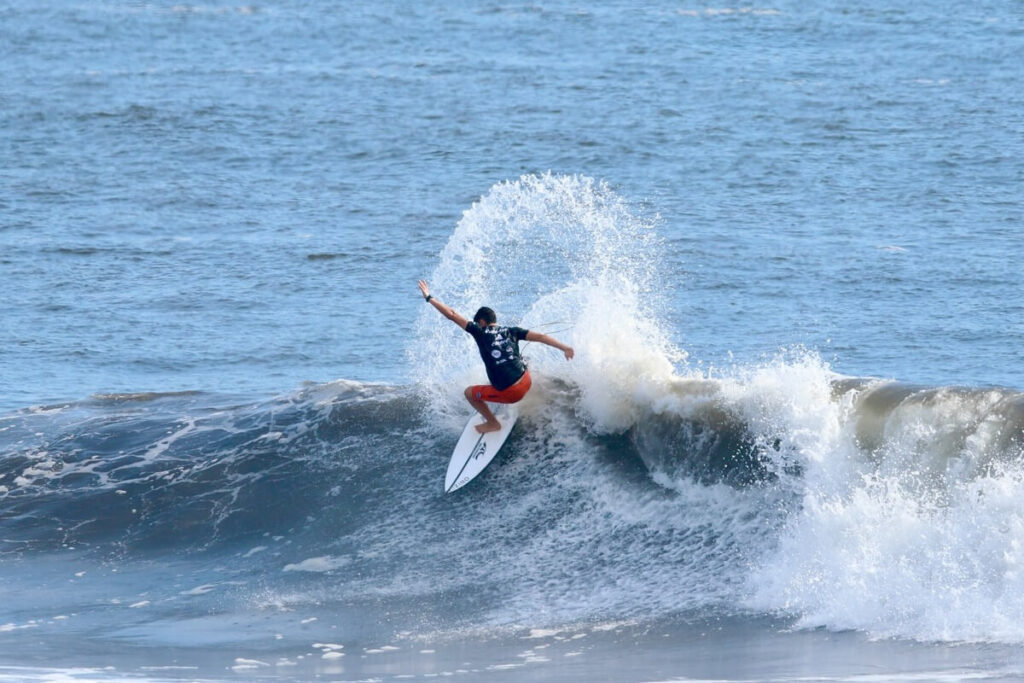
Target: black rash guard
<point x="499" y="349"/>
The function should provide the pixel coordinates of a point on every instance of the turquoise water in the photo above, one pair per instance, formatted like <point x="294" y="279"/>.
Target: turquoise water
<point x="785" y="241"/>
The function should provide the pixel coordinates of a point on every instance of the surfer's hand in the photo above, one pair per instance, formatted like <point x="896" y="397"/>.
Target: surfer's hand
<point x="569" y="353"/>
<point x="424" y="288"/>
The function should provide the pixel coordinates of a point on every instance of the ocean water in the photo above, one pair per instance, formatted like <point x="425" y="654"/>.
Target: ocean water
<point x="784" y="239"/>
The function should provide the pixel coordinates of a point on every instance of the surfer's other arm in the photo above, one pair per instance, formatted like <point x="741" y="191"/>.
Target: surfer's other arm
<point x="442" y="308"/>
<point x="551" y="341"/>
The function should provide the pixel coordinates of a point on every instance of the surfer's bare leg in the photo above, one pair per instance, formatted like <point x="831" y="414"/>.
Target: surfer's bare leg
<point x="491" y="424"/>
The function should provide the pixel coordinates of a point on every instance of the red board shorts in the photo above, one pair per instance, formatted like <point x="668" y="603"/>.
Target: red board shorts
<point x="513" y="394"/>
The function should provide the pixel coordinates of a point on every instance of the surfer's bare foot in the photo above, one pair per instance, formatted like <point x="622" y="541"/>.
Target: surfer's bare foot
<point x="489" y="426"/>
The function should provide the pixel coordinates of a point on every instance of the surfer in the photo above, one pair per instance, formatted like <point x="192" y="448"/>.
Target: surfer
<point x="499" y="350"/>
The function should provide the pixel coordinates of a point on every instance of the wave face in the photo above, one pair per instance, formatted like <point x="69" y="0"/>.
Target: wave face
<point x="632" y="488"/>
<point x="848" y="504"/>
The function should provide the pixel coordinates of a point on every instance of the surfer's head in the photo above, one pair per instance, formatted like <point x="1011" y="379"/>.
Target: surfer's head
<point x="485" y="316"/>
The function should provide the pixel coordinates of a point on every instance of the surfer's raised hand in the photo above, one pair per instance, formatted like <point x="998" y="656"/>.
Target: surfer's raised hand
<point x="443" y="309"/>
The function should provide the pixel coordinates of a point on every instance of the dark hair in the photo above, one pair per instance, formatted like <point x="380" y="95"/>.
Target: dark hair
<point x="486" y="314"/>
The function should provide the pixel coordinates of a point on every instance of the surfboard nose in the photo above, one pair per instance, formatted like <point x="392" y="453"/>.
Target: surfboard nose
<point x="474" y="451"/>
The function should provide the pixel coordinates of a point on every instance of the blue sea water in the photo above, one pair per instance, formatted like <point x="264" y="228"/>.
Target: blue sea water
<point x="785" y="239"/>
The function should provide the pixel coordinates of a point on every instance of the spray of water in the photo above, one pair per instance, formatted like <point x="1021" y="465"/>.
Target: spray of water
<point x="544" y="249"/>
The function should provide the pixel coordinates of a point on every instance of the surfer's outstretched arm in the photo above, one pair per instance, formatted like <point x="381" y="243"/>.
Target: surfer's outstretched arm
<point x="442" y="308"/>
<point x="551" y="341"/>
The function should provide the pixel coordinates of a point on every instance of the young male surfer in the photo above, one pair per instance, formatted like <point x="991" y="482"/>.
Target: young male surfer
<point x="499" y="349"/>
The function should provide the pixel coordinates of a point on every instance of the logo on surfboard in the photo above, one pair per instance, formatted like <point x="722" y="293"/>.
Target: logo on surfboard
<point x="480" y="449"/>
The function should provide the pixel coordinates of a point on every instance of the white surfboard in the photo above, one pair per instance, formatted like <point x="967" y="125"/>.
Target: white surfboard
<point x="474" y="451"/>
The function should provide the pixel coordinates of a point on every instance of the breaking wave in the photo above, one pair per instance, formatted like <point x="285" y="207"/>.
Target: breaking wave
<point x="632" y="487"/>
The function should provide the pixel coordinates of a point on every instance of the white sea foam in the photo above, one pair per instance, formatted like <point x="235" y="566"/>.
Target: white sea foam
<point x="324" y="563"/>
<point x="910" y="521"/>
<point x="243" y="664"/>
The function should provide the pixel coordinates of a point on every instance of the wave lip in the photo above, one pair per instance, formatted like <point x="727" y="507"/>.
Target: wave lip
<point x="143" y="396"/>
<point x="177" y="470"/>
